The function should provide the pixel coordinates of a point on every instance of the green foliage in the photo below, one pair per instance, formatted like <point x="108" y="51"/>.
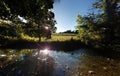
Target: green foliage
<point x="36" y="12"/>
<point x="7" y="30"/>
<point x="88" y="29"/>
<point x="27" y="8"/>
<point x="101" y="29"/>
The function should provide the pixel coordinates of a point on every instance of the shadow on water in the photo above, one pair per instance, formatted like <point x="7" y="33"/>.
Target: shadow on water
<point x="54" y="45"/>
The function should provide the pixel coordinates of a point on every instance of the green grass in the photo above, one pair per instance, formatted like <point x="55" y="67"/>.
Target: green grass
<point x="59" y="37"/>
<point x="54" y="37"/>
<point x="57" y="41"/>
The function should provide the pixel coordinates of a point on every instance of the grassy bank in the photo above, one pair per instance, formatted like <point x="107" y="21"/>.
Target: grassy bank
<point x="57" y="42"/>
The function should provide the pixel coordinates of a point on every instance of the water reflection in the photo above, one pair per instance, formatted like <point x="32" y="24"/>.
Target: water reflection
<point x="45" y="51"/>
<point x="25" y="63"/>
<point x="36" y="62"/>
<point x="2" y="55"/>
<point x="65" y="63"/>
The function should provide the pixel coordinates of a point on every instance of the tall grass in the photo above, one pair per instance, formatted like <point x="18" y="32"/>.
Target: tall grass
<point x="54" y="38"/>
<point x="61" y="37"/>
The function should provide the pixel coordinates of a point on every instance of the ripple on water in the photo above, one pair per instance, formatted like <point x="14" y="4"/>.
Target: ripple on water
<point x="65" y="62"/>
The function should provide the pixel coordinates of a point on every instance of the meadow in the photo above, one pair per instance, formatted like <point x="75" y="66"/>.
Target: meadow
<point x="62" y="37"/>
<point x="57" y="41"/>
<point x="54" y="37"/>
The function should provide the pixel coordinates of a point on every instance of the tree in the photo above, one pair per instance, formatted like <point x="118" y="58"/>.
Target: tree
<point x="36" y="11"/>
<point x="88" y="30"/>
<point x="102" y="28"/>
<point x="111" y="11"/>
<point x="54" y="29"/>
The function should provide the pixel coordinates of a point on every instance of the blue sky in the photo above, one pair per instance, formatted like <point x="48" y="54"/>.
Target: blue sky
<point x="66" y="12"/>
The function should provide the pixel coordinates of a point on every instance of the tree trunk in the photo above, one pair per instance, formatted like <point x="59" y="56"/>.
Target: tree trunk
<point x="39" y="31"/>
<point x="39" y="39"/>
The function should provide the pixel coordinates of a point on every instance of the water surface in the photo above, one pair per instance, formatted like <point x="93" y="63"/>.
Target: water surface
<point x="36" y="62"/>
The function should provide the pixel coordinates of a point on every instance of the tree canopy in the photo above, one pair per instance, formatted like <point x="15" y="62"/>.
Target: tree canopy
<point x="101" y="29"/>
<point x="37" y="13"/>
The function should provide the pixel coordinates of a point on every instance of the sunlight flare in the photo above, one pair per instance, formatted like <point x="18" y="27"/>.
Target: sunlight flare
<point x="3" y="55"/>
<point x="46" y="27"/>
<point x="45" y="51"/>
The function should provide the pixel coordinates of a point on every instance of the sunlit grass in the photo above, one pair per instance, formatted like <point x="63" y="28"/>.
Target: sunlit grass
<point x="61" y="38"/>
<point x="28" y="38"/>
<point x="54" y="37"/>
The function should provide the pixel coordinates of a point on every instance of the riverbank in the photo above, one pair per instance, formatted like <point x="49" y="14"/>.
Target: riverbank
<point x="67" y="45"/>
<point x="60" y="42"/>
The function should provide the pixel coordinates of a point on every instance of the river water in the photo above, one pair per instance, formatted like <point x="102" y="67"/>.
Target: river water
<point x="36" y="62"/>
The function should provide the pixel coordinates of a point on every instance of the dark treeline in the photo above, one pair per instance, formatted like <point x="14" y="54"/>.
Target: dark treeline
<point x="101" y="29"/>
<point x="71" y="32"/>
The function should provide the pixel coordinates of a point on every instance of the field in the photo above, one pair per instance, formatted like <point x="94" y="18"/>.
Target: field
<point x="54" y="37"/>
<point x="62" y="37"/>
<point x="57" y="41"/>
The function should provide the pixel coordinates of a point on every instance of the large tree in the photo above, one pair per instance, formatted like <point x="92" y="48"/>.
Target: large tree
<point x="36" y="11"/>
<point x="111" y="17"/>
<point x="102" y="28"/>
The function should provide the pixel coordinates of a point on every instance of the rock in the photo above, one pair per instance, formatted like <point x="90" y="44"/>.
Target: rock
<point x="81" y="74"/>
<point x="63" y="70"/>
<point x="108" y="59"/>
<point x="78" y="73"/>
<point x="19" y="72"/>
<point x="38" y="58"/>
<point x="1" y="66"/>
<point x="67" y="67"/>
<point x="91" y="72"/>
<point x="72" y="53"/>
<point x="94" y="66"/>
<point x="112" y="60"/>
<point x="105" y="68"/>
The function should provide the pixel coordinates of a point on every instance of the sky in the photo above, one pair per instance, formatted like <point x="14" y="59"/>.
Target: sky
<point x="66" y="12"/>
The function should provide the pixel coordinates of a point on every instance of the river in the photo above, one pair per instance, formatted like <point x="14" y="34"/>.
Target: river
<point x="36" y="62"/>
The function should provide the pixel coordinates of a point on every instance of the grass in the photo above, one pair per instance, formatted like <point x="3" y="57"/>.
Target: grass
<point x="62" y="37"/>
<point x="54" y="38"/>
<point x="65" y="42"/>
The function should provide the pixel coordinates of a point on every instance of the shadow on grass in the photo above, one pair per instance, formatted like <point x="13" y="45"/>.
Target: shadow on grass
<point x="54" y="45"/>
